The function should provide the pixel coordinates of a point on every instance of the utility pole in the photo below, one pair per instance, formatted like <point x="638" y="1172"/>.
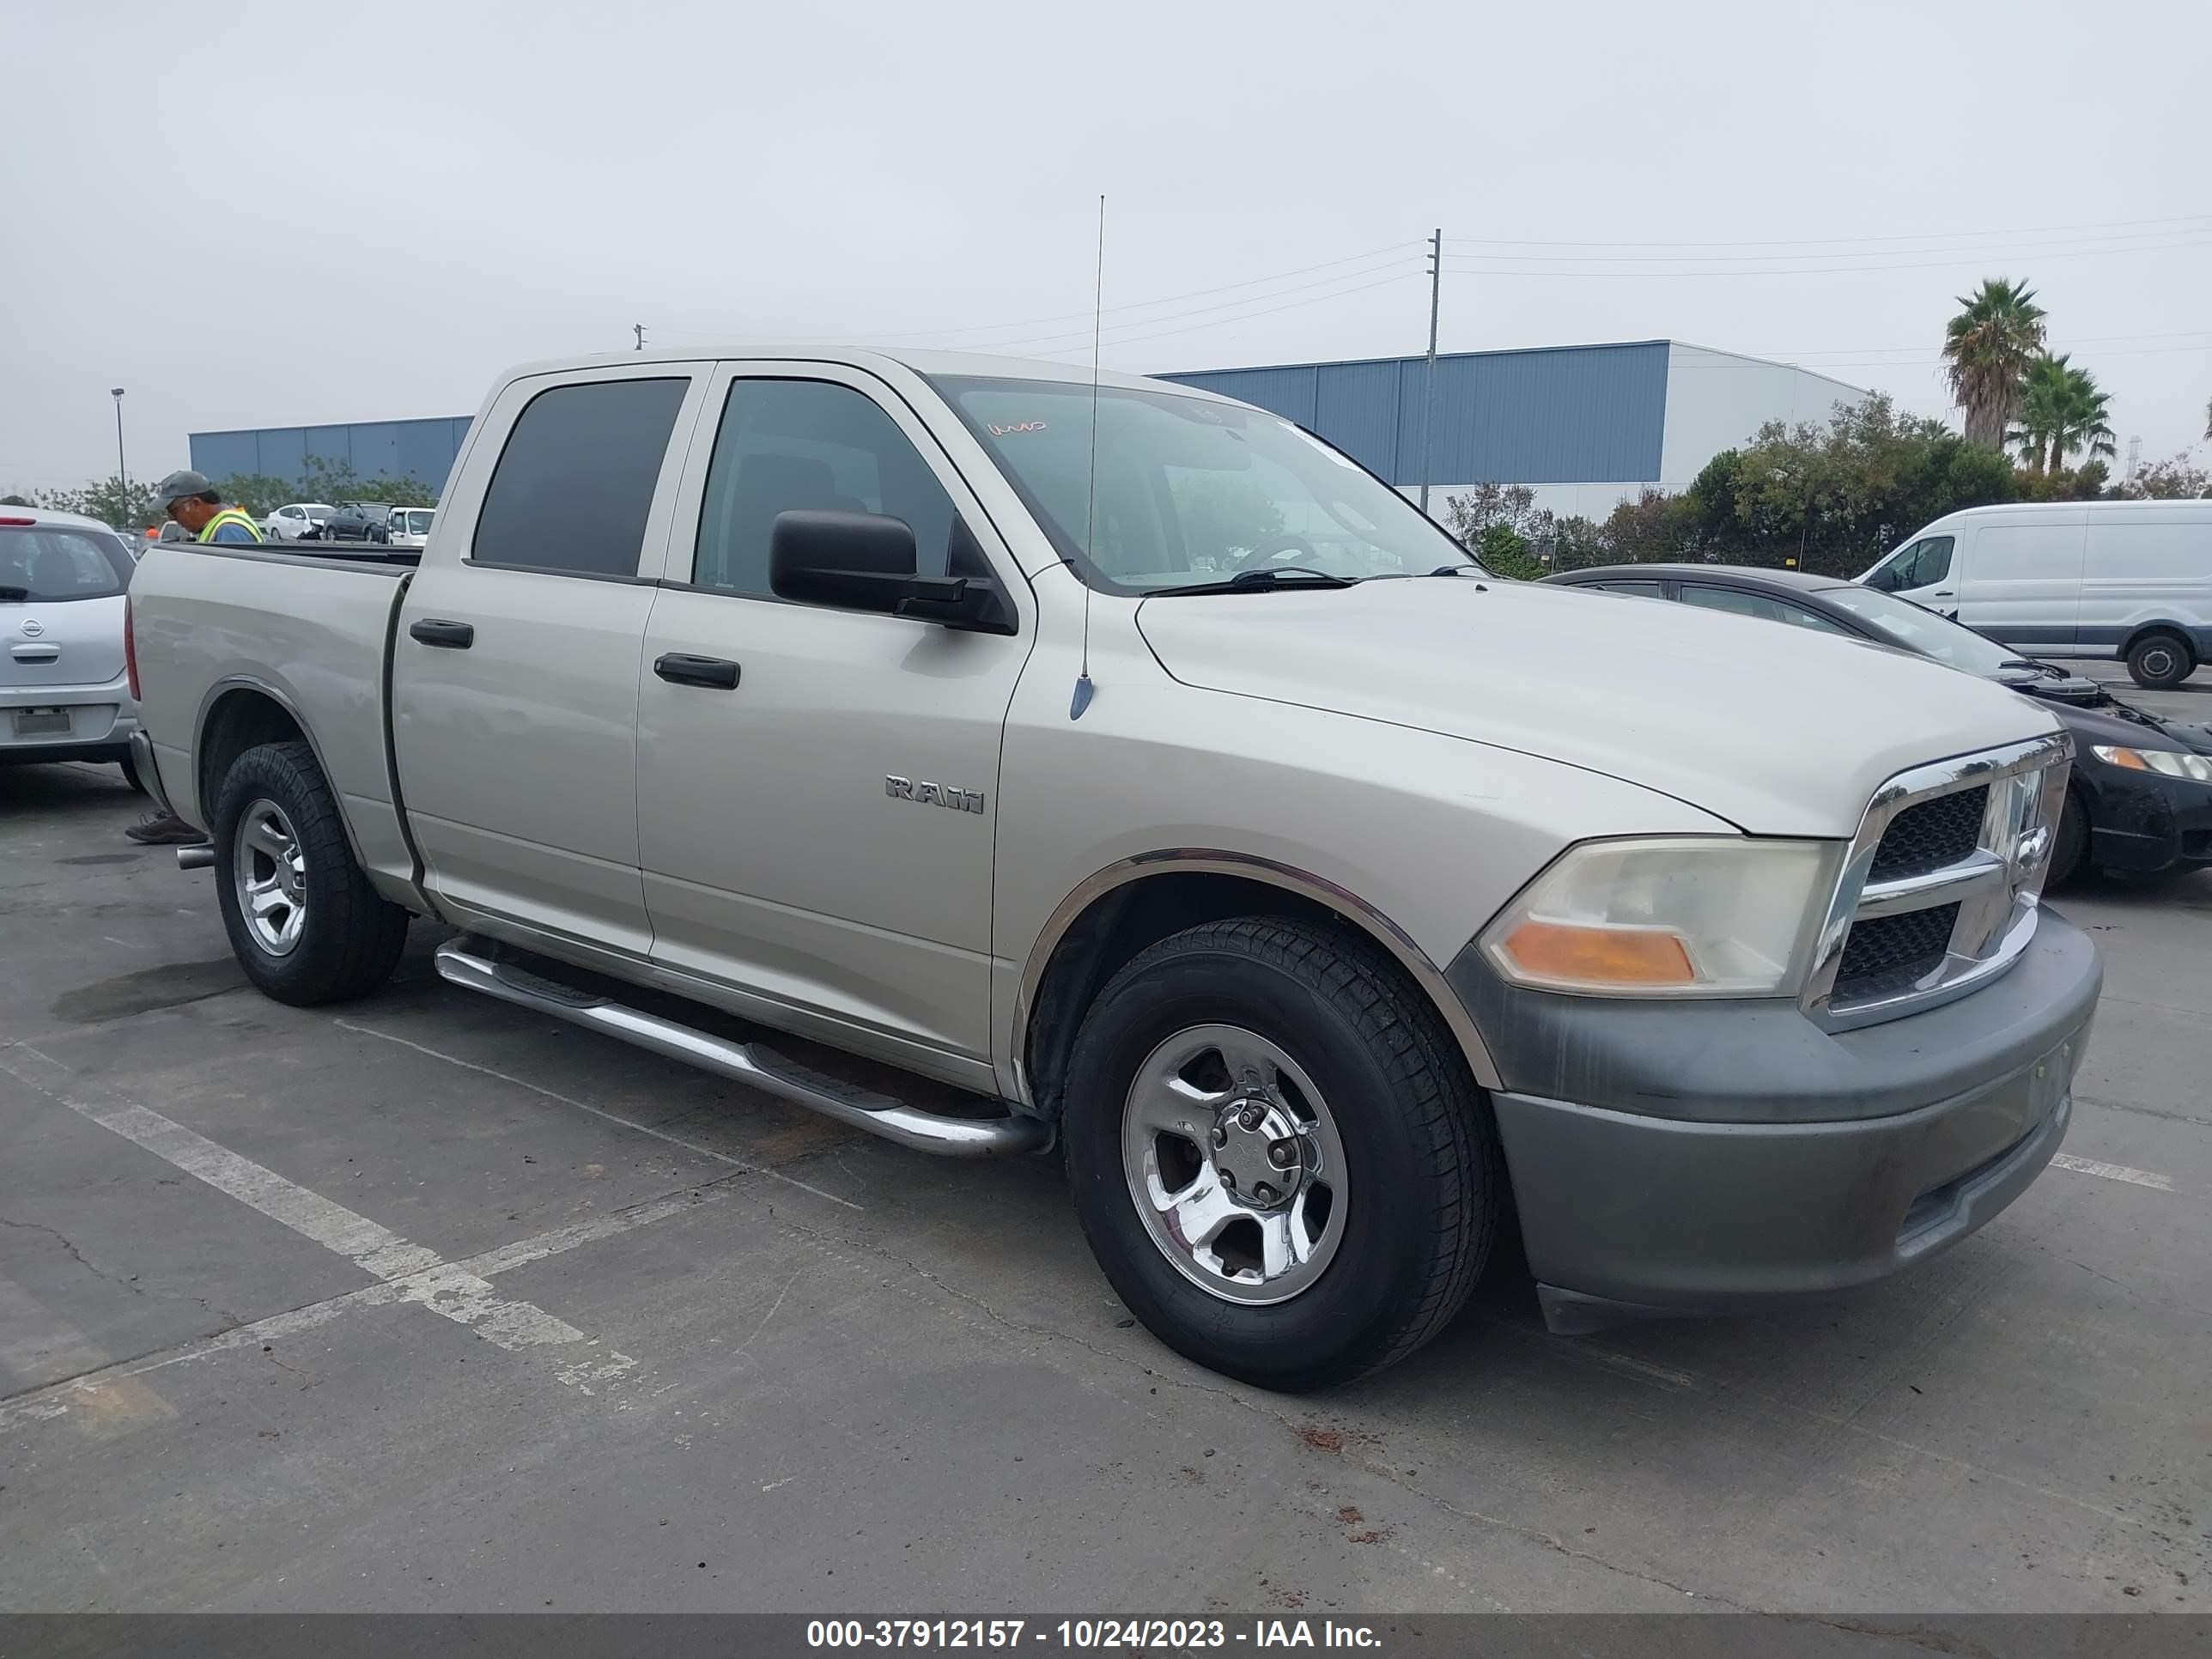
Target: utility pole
<point x="638" y="329"/>
<point x="122" y="472"/>
<point x="1429" y="391"/>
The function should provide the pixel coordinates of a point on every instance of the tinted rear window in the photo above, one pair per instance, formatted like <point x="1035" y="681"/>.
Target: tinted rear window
<point x="575" y="481"/>
<point x="49" y="564"/>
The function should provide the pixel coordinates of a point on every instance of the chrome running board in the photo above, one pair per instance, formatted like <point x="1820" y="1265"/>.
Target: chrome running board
<point x="464" y="962"/>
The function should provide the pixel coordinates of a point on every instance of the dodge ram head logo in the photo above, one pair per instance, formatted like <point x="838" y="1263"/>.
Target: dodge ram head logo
<point x="933" y="794"/>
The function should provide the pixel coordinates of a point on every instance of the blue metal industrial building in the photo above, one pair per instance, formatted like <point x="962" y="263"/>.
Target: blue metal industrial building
<point x="1587" y="426"/>
<point x="422" y="450"/>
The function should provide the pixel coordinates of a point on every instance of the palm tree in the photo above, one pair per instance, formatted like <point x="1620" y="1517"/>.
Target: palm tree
<point x="1987" y="348"/>
<point x="2061" y="410"/>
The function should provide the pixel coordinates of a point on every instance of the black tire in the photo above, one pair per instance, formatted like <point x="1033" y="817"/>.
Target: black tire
<point x="2071" y="845"/>
<point x="1420" y="1153"/>
<point x="350" y="938"/>
<point x="131" y="773"/>
<point x="2159" y="662"/>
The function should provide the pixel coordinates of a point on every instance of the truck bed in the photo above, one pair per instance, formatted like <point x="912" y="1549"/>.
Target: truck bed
<point x="310" y="632"/>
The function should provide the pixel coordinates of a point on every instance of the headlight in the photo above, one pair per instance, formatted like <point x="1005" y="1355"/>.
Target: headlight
<point x="2171" y="762"/>
<point x="1708" y="916"/>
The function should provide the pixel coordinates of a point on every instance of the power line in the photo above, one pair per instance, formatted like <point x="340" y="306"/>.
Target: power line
<point x="1834" y="241"/>
<point x="2138" y="241"/>
<point x="1962" y="263"/>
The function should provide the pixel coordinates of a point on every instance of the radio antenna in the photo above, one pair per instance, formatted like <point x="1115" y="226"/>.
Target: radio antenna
<point x="1084" y="690"/>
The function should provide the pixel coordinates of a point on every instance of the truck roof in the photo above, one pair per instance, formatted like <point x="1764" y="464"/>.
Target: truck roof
<point x="979" y="364"/>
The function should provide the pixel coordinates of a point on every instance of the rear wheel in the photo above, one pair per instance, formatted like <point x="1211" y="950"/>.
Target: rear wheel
<point x="1277" y="1155"/>
<point x="2157" y="662"/>
<point x="303" y="920"/>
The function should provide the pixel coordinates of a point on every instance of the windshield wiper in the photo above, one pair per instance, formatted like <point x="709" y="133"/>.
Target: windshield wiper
<point x="1252" y="581"/>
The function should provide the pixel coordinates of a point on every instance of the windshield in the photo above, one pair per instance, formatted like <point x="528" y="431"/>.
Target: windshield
<point x="1191" y="491"/>
<point x="49" y="564"/>
<point x="1922" y="631"/>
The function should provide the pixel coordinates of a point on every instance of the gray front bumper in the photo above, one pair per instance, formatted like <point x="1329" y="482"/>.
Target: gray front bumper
<point x="1720" y="1155"/>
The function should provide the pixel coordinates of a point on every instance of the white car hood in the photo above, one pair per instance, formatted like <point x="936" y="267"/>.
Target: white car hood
<point x="1779" y="730"/>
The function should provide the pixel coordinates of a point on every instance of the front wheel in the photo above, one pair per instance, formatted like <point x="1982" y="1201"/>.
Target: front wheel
<point x="2070" y="844"/>
<point x="1277" y="1155"/>
<point x="303" y="920"/>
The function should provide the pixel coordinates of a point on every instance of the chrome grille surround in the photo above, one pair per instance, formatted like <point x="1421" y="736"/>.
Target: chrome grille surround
<point x="1997" y="886"/>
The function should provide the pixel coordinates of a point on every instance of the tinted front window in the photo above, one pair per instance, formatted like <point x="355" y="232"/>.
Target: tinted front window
<point x="1634" y="590"/>
<point x="1187" y="490"/>
<point x="808" y="446"/>
<point x="54" y="564"/>
<point x="1922" y="564"/>
<point x="1731" y="599"/>
<point x="575" y="482"/>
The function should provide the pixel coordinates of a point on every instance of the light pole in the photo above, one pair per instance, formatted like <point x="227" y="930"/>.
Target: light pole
<point x="122" y="472"/>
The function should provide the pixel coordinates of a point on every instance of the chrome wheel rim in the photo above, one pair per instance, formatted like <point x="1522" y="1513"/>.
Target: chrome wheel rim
<point x="2159" y="662"/>
<point x="271" y="874"/>
<point x="1234" y="1164"/>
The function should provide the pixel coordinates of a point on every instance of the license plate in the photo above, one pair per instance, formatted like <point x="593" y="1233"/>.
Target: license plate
<point x="42" y="722"/>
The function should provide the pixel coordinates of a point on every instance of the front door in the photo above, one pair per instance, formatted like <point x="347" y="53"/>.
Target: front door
<point x="818" y="831"/>
<point x="515" y="667"/>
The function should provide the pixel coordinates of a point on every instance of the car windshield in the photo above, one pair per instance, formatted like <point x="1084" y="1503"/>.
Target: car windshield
<point x="1922" y="631"/>
<point x="47" y="564"/>
<point x="1189" y="491"/>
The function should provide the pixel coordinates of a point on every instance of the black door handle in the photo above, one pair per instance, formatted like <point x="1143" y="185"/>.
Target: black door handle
<point x="453" y="635"/>
<point x="717" y="672"/>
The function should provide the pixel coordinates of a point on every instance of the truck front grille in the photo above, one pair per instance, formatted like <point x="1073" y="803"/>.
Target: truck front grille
<point x="1888" y="954"/>
<point x="1931" y="834"/>
<point x="1941" y="884"/>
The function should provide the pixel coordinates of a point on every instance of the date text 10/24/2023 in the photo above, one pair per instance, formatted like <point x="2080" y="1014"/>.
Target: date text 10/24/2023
<point x="1087" y="1634"/>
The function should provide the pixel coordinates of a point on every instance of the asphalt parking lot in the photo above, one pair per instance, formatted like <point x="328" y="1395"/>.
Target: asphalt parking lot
<point x="427" y="1303"/>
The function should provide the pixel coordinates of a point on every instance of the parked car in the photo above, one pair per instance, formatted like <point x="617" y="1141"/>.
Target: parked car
<point x="357" y="521"/>
<point x="410" y="526"/>
<point x="63" y="693"/>
<point x="296" y="521"/>
<point x="1314" y="899"/>
<point x="2139" y="798"/>
<point x="2126" y="579"/>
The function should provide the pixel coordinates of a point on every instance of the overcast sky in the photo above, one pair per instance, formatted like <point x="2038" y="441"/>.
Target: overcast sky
<point x="257" y="215"/>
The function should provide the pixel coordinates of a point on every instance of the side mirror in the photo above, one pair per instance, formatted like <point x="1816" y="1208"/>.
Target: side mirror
<point x="867" y="561"/>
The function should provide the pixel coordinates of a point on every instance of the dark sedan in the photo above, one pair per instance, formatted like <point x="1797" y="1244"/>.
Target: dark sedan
<point x="2141" y="800"/>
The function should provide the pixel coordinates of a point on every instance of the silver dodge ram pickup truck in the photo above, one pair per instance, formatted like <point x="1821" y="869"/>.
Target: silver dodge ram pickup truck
<point x="1148" y="771"/>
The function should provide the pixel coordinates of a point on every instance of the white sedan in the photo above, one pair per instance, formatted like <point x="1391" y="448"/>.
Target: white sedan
<point x="297" y="518"/>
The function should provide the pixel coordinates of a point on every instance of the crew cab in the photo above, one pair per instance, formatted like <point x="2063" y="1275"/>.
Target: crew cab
<point x="1141" y="775"/>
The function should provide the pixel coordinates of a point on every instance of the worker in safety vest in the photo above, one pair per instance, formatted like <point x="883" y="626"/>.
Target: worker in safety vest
<point x="190" y="500"/>
<point x="194" y="509"/>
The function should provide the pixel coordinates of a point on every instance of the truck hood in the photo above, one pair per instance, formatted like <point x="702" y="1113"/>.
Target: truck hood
<point x="1779" y="730"/>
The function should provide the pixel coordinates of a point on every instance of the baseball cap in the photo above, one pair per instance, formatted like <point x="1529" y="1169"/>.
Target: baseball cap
<point x="181" y="483"/>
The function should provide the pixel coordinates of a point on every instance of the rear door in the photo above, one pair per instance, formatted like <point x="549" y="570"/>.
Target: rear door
<point x="818" y="829"/>
<point x="515" y="663"/>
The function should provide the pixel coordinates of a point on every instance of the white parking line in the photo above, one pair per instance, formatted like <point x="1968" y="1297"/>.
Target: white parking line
<point x="2115" y="1172"/>
<point x="54" y="1400"/>
<point x="415" y="1272"/>
<point x="596" y="1111"/>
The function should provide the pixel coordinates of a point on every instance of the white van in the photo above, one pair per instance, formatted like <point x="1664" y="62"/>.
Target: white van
<point x="2130" y="580"/>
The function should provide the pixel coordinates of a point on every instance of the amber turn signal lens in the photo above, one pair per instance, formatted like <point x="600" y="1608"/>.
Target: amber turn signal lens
<point x="1562" y="953"/>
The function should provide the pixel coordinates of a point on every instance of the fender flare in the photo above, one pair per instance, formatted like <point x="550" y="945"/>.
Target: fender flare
<point x="1425" y="974"/>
